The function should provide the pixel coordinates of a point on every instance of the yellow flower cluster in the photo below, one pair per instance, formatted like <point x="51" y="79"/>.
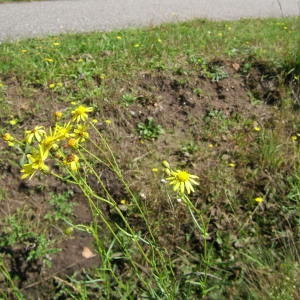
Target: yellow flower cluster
<point x="59" y="142"/>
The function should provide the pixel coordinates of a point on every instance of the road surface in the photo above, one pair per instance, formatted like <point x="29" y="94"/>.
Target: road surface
<point x="32" y="19"/>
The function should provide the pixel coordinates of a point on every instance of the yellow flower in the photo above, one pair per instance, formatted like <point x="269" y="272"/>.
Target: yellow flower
<point x="49" y="59"/>
<point x="81" y="133"/>
<point x="38" y="132"/>
<point x="257" y="128"/>
<point x="58" y="115"/>
<point x="36" y="162"/>
<point x="118" y="37"/>
<point x="72" y="160"/>
<point x="48" y="142"/>
<point x="13" y="122"/>
<point x="62" y="132"/>
<point x="182" y="180"/>
<point x="154" y="170"/>
<point x="28" y="170"/>
<point x="56" y="44"/>
<point x="8" y="138"/>
<point x="259" y="199"/>
<point x="51" y="85"/>
<point x="232" y="165"/>
<point x="294" y="138"/>
<point x="80" y="113"/>
<point x="31" y="168"/>
<point x="24" y="50"/>
<point x="136" y="45"/>
<point x="73" y="143"/>
<point x="108" y="122"/>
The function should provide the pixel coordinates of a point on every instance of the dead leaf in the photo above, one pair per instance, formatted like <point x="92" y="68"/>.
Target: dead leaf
<point x="236" y="66"/>
<point x="87" y="253"/>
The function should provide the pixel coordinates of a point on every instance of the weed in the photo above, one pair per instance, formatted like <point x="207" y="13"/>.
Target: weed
<point x="215" y="73"/>
<point x="198" y="92"/>
<point x="61" y="207"/>
<point x="214" y="114"/>
<point x="246" y="67"/>
<point x="253" y="100"/>
<point x="7" y="279"/>
<point x="129" y="99"/>
<point x="189" y="148"/>
<point x="272" y="156"/>
<point x="217" y="120"/>
<point x="212" y="70"/>
<point x="26" y="247"/>
<point x="149" y="130"/>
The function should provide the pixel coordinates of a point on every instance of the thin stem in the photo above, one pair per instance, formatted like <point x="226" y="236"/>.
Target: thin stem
<point x="250" y="218"/>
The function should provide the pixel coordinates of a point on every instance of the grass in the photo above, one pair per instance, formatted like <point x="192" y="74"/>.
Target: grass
<point x="216" y="99"/>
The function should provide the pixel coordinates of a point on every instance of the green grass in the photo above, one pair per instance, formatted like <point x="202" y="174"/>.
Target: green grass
<point x="219" y="99"/>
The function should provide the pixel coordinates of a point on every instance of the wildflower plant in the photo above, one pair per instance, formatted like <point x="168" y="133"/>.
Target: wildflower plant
<point x="69" y="150"/>
<point x="183" y="185"/>
<point x="149" y="130"/>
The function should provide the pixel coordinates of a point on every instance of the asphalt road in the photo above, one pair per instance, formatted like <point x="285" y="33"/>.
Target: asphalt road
<point x="32" y="19"/>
